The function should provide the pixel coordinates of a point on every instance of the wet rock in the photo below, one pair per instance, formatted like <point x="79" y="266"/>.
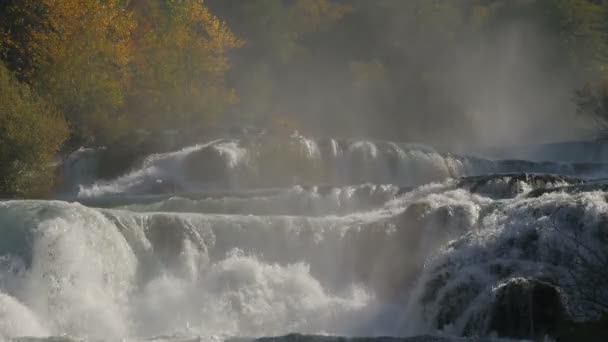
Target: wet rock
<point x="124" y="155"/>
<point x="527" y="308"/>
<point x="590" y="331"/>
<point x="207" y="165"/>
<point x="509" y="185"/>
<point x="571" y="189"/>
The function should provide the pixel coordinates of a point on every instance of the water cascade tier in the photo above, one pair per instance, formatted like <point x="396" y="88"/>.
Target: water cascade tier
<point x="307" y="240"/>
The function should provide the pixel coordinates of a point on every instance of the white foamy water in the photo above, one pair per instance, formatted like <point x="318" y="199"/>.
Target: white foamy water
<point x="235" y="164"/>
<point x="69" y="269"/>
<point x="312" y="201"/>
<point x="181" y="251"/>
<point x="158" y="168"/>
<point x="110" y="274"/>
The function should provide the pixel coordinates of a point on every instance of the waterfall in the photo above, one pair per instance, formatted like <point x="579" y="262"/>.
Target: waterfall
<point x="411" y="241"/>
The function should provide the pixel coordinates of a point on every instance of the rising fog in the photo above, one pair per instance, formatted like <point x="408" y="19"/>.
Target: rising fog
<point x="455" y="73"/>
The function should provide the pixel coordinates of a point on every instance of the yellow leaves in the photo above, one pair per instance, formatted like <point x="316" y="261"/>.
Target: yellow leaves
<point x="194" y="25"/>
<point x="87" y="26"/>
<point x="179" y="67"/>
<point x="31" y="132"/>
<point x="82" y="56"/>
<point x="100" y="62"/>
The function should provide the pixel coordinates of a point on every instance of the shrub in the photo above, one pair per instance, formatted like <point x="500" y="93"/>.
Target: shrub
<point x="31" y="133"/>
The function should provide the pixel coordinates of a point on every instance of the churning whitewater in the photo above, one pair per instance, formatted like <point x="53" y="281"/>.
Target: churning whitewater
<point x="360" y="238"/>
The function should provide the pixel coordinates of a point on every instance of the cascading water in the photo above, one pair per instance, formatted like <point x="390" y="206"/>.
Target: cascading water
<point x="266" y="162"/>
<point x="250" y="238"/>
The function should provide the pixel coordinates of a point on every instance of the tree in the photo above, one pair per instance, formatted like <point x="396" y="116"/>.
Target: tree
<point x="31" y="133"/>
<point x="179" y="66"/>
<point x="17" y="19"/>
<point x="81" y="58"/>
<point x="584" y="33"/>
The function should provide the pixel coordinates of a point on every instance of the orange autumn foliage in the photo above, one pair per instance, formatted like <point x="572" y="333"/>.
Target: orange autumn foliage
<point x="179" y="65"/>
<point x="82" y="56"/>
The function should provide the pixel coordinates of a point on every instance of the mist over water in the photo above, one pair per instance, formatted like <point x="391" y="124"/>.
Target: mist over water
<point x="459" y="74"/>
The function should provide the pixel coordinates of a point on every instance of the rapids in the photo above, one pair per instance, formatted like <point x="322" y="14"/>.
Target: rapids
<point x="350" y="238"/>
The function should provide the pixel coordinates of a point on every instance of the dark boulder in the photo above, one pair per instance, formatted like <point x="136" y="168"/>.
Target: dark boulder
<point x="124" y="155"/>
<point x="207" y="165"/>
<point x="527" y="308"/>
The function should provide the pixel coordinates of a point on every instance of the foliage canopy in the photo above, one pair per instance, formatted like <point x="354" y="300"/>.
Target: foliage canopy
<point x="31" y="133"/>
